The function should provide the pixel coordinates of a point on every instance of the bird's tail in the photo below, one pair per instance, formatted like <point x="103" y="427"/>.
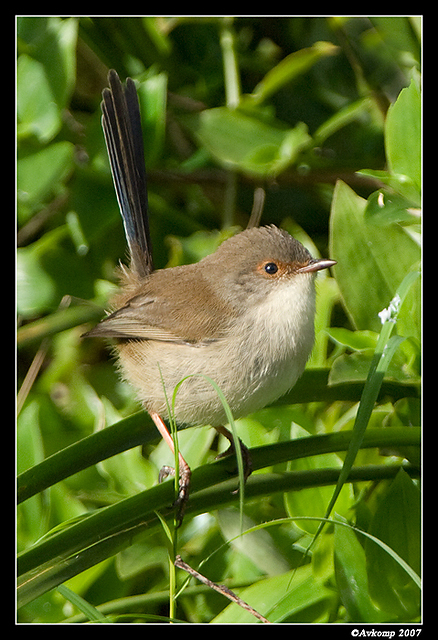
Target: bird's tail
<point x="121" y="124"/>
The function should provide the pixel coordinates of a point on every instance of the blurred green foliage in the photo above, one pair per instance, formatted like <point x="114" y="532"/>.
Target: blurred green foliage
<point x="325" y="115"/>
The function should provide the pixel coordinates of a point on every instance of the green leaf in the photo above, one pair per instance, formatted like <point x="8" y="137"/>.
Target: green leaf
<point x="47" y="270"/>
<point x="152" y="95"/>
<point x="371" y="263"/>
<point x="65" y="318"/>
<point x="39" y="175"/>
<point x="254" y="146"/>
<point x="355" y="367"/>
<point x="129" y="432"/>
<point x="45" y="75"/>
<point x="397" y="522"/>
<point x="314" y="501"/>
<point x="387" y="208"/>
<point x="341" y="118"/>
<point x="37" y="113"/>
<point x="352" y="579"/>
<point x="282" y="598"/>
<point x="36" y="289"/>
<point x="32" y="516"/>
<point x="30" y="449"/>
<point x="401" y="34"/>
<point x="398" y="183"/>
<point x="327" y="295"/>
<point x="355" y="340"/>
<point x="258" y="546"/>
<point x="385" y="349"/>
<point x="85" y="607"/>
<point x="403" y="134"/>
<point x="85" y="542"/>
<point x="139" y="429"/>
<point x="294" y="65"/>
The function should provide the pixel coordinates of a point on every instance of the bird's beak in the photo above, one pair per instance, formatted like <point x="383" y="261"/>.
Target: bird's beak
<point x="316" y="265"/>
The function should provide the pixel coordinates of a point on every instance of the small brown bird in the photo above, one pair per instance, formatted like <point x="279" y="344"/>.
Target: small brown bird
<point x="243" y="316"/>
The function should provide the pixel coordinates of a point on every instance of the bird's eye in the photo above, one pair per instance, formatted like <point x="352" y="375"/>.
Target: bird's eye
<point x="271" y="268"/>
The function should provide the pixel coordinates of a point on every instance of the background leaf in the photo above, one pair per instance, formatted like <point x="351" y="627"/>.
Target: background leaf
<point x="283" y="598"/>
<point x="313" y="502"/>
<point x="39" y="175"/>
<point x="352" y="578"/>
<point x="403" y="135"/>
<point x="289" y="68"/>
<point x="45" y="74"/>
<point x="368" y="271"/>
<point x="256" y="147"/>
<point x="397" y="523"/>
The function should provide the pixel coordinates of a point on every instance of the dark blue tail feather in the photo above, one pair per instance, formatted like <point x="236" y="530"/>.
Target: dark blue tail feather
<point x="124" y="140"/>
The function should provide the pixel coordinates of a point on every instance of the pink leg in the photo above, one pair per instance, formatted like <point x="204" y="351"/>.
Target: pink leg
<point x="184" y="469"/>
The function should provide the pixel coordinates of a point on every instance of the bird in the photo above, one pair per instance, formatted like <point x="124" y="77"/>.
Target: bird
<point x="242" y="316"/>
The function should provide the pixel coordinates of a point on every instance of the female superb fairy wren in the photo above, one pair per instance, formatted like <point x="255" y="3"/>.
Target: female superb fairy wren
<point x="243" y="316"/>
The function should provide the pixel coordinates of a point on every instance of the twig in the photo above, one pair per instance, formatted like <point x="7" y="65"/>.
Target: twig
<point x="218" y="587"/>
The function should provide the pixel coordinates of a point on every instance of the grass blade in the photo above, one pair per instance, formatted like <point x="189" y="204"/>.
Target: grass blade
<point x="93" y="614"/>
<point x="385" y="349"/>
